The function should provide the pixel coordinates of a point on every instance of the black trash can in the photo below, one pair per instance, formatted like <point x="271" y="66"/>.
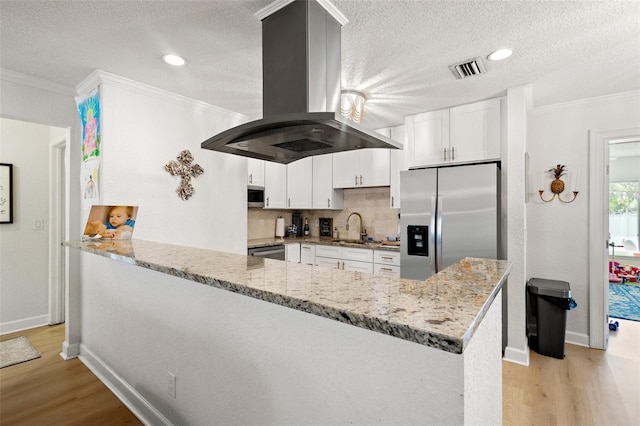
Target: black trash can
<point x="547" y="304"/>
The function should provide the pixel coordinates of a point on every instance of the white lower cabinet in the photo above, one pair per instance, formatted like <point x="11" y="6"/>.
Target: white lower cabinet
<point x="352" y="265"/>
<point x="346" y="258"/>
<point x="379" y="262"/>
<point x="386" y="263"/>
<point x="386" y="270"/>
<point x="329" y="262"/>
<point x="292" y="252"/>
<point x="308" y="254"/>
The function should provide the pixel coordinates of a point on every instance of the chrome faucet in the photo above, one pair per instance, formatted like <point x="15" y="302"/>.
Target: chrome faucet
<point x="363" y="234"/>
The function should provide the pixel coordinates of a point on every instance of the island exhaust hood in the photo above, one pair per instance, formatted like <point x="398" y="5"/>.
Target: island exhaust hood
<point x="301" y="92"/>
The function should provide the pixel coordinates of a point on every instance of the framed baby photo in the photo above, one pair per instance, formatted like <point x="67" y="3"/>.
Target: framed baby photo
<point x="111" y="222"/>
<point x="6" y="193"/>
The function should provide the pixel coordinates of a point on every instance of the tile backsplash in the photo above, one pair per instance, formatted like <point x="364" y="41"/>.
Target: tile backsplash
<point x="372" y="204"/>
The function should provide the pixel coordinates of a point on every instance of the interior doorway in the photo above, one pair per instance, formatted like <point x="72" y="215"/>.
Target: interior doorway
<point x="57" y="230"/>
<point x="599" y="165"/>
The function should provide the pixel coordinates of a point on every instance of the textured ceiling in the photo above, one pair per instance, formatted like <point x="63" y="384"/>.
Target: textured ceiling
<point x="397" y="52"/>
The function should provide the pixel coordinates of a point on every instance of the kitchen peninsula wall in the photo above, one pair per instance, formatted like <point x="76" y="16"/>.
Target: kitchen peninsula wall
<point x="372" y="204"/>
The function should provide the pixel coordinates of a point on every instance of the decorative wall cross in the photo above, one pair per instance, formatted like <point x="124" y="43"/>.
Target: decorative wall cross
<point x="186" y="171"/>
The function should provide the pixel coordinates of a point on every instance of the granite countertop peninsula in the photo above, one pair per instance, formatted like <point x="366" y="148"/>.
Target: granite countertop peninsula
<point x="441" y="312"/>
<point x="378" y="245"/>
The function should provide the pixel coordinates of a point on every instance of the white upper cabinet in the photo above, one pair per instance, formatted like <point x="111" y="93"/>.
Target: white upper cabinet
<point x="324" y="195"/>
<point x="475" y="131"/>
<point x="255" y="169"/>
<point x="300" y="183"/>
<point x="275" y="185"/>
<point x="462" y="134"/>
<point x="361" y="168"/>
<point x="399" y="159"/>
<point x="428" y="137"/>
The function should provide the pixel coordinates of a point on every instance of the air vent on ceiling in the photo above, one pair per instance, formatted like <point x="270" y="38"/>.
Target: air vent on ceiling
<point x="468" y="68"/>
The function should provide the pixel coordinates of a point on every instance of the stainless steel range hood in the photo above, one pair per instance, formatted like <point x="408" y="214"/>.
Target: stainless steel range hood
<point x="301" y="93"/>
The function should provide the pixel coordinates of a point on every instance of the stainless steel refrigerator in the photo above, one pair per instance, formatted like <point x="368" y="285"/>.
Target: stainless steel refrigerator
<point x="446" y="214"/>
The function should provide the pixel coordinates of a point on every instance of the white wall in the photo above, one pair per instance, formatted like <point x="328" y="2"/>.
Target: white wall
<point x="558" y="233"/>
<point x="143" y="129"/>
<point x="24" y="249"/>
<point x="34" y="100"/>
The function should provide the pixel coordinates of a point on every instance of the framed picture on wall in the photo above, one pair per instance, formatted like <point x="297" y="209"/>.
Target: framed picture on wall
<point x="6" y="193"/>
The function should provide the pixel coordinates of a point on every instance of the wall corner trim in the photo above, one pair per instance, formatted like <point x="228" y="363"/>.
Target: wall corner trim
<point x="516" y="356"/>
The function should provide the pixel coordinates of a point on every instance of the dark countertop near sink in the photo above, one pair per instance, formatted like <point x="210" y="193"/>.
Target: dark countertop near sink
<point x="378" y="245"/>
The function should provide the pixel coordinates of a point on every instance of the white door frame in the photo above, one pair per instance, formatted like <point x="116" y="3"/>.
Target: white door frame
<point x="57" y="220"/>
<point x="599" y="231"/>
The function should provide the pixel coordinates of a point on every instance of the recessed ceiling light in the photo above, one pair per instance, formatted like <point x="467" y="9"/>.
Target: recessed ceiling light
<point x="499" y="55"/>
<point x="174" y="60"/>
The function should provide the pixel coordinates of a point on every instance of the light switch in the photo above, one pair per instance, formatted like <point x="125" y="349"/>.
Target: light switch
<point x="38" y="224"/>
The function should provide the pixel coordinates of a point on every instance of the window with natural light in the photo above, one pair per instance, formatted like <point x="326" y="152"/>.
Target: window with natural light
<point x="623" y="216"/>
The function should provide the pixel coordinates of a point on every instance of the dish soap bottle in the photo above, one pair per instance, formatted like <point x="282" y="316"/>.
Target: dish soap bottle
<point x="306" y="227"/>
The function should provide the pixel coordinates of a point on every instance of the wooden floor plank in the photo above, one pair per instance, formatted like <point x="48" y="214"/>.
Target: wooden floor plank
<point x="588" y="387"/>
<point x="52" y="391"/>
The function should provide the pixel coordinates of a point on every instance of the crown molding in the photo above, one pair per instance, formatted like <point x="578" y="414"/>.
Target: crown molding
<point x="616" y="97"/>
<point x="98" y="77"/>
<point x="38" y="83"/>
<point x="272" y="8"/>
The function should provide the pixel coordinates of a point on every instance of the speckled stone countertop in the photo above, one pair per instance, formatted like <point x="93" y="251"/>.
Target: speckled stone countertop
<point x="441" y="312"/>
<point x="378" y="245"/>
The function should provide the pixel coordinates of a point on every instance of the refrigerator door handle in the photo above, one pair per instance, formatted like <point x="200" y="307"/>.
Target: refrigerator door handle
<point x="438" y="232"/>
<point x="433" y="236"/>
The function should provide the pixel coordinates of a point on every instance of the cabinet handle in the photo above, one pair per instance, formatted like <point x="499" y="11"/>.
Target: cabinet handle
<point x="453" y="153"/>
<point x="386" y="269"/>
<point x="288" y="202"/>
<point x="338" y="264"/>
<point x="392" y="201"/>
<point x="251" y="178"/>
<point x="360" y="179"/>
<point x="328" y="202"/>
<point x="356" y="179"/>
<point x="267" y="201"/>
<point x="444" y="157"/>
<point x="386" y="257"/>
<point x="343" y="265"/>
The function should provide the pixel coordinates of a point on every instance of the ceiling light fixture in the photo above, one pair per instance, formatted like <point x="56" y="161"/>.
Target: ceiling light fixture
<point x="174" y="60"/>
<point x="500" y="54"/>
<point x="352" y="105"/>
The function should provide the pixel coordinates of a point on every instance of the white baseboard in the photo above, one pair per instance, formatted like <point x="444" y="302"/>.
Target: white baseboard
<point x="516" y="356"/>
<point x="23" y="324"/>
<point x="70" y="351"/>
<point x="139" y="406"/>
<point x="579" y="339"/>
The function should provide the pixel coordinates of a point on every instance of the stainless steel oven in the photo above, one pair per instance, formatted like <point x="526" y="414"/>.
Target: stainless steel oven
<point x="270" y="252"/>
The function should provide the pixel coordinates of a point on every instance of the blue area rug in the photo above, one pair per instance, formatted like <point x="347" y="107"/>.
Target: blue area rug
<point x="624" y="301"/>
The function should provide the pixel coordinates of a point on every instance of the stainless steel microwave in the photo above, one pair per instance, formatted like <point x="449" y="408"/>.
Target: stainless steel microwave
<point x="255" y="196"/>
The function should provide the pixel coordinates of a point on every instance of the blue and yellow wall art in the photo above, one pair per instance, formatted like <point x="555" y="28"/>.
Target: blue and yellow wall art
<point x="89" y="109"/>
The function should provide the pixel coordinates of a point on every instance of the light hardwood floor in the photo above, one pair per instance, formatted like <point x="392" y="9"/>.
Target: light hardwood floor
<point x="52" y="391"/>
<point x="588" y="387"/>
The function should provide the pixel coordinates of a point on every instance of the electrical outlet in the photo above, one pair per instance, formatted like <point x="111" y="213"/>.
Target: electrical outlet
<point x="38" y="224"/>
<point x="172" y="384"/>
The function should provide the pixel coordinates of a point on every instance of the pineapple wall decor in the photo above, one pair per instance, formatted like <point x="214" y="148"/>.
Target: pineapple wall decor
<point x="557" y="185"/>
